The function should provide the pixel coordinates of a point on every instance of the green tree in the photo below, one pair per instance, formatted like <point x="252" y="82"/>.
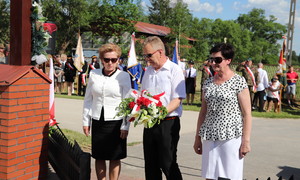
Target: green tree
<point x="142" y="16"/>
<point x="200" y="30"/>
<point x="265" y="34"/>
<point x="159" y="12"/>
<point x="4" y="21"/>
<point x="70" y="16"/>
<point x="114" y="19"/>
<point x="294" y="58"/>
<point x="177" y="17"/>
<point x="179" y="22"/>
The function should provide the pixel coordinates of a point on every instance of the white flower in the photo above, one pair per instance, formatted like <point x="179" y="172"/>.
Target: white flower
<point x="40" y="59"/>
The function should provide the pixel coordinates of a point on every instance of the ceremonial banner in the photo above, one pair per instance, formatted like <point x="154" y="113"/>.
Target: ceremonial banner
<point x="133" y="67"/>
<point x="132" y="60"/>
<point x="175" y="53"/>
<point x="282" y="60"/>
<point x="79" y="58"/>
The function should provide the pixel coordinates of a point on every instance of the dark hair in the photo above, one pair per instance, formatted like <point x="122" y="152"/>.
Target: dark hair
<point x="226" y="50"/>
<point x="274" y="79"/>
<point x="191" y="62"/>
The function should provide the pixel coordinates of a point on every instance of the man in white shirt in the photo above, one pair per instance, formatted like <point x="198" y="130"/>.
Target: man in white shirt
<point x="160" y="141"/>
<point x="262" y="85"/>
<point x="190" y="83"/>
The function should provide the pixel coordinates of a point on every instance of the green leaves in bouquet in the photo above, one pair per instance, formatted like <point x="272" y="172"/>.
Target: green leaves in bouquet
<point x="123" y="108"/>
<point x="162" y="113"/>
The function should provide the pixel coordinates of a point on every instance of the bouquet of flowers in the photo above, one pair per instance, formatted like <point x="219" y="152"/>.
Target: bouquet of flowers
<point x="142" y="108"/>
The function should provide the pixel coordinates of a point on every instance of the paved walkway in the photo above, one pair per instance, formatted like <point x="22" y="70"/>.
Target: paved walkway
<point x="275" y="146"/>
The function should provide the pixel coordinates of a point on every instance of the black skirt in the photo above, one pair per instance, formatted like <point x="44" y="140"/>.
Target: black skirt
<point x="106" y="141"/>
<point x="190" y="85"/>
<point x="69" y="78"/>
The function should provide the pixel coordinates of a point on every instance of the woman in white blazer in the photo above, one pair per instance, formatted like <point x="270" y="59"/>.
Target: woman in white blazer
<point x="105" y="90"/>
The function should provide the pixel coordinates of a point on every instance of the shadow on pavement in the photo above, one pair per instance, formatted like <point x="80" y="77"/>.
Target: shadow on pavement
<point x="287" y="171"/>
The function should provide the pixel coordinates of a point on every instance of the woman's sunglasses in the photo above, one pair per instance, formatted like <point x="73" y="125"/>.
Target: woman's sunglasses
<point x="113" y="60"/>
<point x="217" y="60"/>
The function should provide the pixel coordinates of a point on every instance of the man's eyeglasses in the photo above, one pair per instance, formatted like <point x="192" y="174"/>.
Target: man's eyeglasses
<point x="113" y="60"/>
<point x="217" y="60"/>
<point x="149" y="55"/>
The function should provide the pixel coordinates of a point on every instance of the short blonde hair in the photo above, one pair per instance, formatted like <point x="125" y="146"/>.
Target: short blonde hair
<point x="110" y="47"/>
<point x="155" y="42"/>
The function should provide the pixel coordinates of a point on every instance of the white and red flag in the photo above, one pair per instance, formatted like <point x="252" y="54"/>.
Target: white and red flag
<point x="52" y="120"/>
<point x="282" y="60"/>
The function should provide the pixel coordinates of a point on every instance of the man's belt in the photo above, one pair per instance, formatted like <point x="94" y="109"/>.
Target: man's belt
<point x="170" y="118"/>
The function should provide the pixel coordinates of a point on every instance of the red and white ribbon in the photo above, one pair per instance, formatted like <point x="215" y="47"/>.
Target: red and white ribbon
<point x="92" y="67"/>
<point x="69" y="65"/>
<point x="83" y="79"/>
<point x="208" y="71"/>
<point x="252" y="77"/>
<point x="141" y="98"/>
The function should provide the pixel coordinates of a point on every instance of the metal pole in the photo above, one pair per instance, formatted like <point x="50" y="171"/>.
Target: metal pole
<point x="290" y="35"/>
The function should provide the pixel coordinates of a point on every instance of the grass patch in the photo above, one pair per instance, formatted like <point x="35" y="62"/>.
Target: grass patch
<point x="81" y="139"/>
<point x="285" y="113"/>
<point x="133" y="143"/>
<point x="64" y="95"/>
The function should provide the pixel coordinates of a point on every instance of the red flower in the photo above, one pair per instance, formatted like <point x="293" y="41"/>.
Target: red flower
<point x="131" y="119"/>
<point x="147" y="102"/>
<point x="131" y="105"/>
<point x="143" y="101"/>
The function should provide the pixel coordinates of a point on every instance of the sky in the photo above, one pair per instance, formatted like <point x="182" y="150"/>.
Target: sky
<point x="231" y="9"/>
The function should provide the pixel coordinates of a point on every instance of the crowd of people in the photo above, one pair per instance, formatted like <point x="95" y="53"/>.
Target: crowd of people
<point x="265" y="94"/>
<point x="223" y="129"/>
<point x="224" y="125"/>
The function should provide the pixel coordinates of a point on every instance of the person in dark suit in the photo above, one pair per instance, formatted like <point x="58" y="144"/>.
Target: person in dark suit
<point x="70" y="73"/>
<point x="82" y="79"/>
<point x="94" y="64"/>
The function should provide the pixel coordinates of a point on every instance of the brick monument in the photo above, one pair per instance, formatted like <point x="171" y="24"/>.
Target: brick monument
<point x="24" y="105"/>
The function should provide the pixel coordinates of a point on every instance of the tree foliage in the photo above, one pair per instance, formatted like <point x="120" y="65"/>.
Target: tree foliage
<point x="159" y="12"/>
<point x="70" y="16"/>
<point x="253" y="34"/>
<point x="177" y="17"/>
<point x="106" y="18"/>
<point x="114" y="19"/>
<point x="4" y="21"/>
<point x="265" y="33"/>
